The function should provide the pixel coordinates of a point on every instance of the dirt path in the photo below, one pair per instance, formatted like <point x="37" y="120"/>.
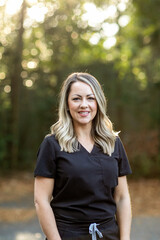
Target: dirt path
<point x="18" y="219"/>
<point x="143" y="228"/>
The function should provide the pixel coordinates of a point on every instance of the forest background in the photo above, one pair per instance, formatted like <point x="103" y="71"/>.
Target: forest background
<point x="41" y="42"/>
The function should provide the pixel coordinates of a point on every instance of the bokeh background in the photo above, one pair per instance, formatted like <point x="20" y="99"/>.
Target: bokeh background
<point x="41" y="42"/>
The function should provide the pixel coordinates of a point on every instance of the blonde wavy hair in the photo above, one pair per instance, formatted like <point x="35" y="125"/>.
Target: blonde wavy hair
<point x="102" y="129"/>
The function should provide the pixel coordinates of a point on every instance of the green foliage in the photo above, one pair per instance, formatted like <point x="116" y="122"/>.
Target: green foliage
<point x="37" y="55"/>
<point x="143" y="166"/>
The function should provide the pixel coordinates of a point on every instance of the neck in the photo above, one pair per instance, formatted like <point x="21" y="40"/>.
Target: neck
<point x="83" y="132"/>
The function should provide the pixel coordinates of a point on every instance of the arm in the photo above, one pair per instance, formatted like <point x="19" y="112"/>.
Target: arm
<point x="43" y="189"/>
<point x="123" y="203"/>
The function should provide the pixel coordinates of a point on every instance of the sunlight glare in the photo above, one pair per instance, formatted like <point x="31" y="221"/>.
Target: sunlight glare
<point x="32" y="1"/>
<point x="95" y="38"/>
<point x="34" y="51"/>
<point x="93" y="15"/>
<point x="32" y="64"/>
<point x="37" y="12"/>
<point x="96" y="16"/>
<point x="124" y="20"/>
<point x="110" y="42"/>
<point x="121" y="6"/>
<point x="7" y="30"/>
<point x="28" y="83"/>
<point x="7" y="89"/>
<point x="13" y="6"/>
<point x="2" y="75"/>
<point x="109" y="29"/>
<point x="111" y="11"/>
<point x="124" y="1"/>
<point x="2" y="2"/>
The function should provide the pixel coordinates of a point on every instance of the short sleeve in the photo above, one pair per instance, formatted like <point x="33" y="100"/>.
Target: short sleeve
<point x="121" y="155"/>
<point x="46" y="164"/>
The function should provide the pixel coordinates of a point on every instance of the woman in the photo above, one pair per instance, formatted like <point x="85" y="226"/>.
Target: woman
<point x="81" y="189"/>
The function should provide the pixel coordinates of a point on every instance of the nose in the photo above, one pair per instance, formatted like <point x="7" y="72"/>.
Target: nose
<point x="84" y="103"/>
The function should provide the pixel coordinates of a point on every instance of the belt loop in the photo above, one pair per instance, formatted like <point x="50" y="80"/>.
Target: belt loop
<point x="93" y="230"/>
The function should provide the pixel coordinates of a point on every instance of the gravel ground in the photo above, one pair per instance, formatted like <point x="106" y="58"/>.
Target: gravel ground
<point x="18" y="220"/>
<point x="143" y="228"/>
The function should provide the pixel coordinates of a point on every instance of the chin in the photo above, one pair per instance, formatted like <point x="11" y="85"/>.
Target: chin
<point x="84" y="122"/>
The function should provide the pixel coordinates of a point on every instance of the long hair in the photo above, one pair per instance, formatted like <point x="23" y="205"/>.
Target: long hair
<point x="102" y="129"/>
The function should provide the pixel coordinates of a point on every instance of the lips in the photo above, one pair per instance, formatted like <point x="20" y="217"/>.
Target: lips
<point x="83" y="113"/>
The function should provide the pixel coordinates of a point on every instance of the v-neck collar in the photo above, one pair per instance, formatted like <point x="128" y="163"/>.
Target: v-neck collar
<point x="92" y="151"/>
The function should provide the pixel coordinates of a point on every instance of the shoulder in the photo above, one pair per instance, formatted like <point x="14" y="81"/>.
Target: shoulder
<point x="50" y="141"/>
<point x="118" y="148"/>
<point x="118" y="143"/>
<point x="50" y="138"/>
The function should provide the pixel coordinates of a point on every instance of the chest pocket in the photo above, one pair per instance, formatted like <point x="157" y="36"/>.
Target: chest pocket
<point x="109" y="171"/>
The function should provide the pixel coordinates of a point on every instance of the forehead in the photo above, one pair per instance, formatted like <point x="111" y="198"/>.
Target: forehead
<point x="80" y="88"/>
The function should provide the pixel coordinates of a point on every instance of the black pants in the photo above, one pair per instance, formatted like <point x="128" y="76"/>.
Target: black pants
<point x="109" y="230"/>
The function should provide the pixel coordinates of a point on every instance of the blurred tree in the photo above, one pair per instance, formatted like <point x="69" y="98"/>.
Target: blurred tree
<point x="43" y="41"/>
<point x="15" y="77"/>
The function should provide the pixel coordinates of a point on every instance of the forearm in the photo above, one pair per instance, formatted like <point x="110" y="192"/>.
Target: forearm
<point x="47" y="221"/>
<point x="124" y="217"/>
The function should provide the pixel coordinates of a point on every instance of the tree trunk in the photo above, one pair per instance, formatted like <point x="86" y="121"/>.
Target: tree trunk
<point x="15" y="91"/>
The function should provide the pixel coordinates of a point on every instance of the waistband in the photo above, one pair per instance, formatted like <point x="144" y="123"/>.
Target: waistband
<point x="83" y="226"/>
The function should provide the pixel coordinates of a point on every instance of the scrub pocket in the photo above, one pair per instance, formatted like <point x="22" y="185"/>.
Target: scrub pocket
<point x="109" y="171"/>
<point x="110" y="230"/>
<point x="74" y="235"/>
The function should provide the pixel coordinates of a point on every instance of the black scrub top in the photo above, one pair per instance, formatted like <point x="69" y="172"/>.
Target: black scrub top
<point x="84" y="182"/>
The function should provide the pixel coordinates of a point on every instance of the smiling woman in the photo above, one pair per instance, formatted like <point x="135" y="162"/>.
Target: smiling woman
<point x="80" y="176"/>
<point x="82" y="104"/>
<point x="78" y="84"/>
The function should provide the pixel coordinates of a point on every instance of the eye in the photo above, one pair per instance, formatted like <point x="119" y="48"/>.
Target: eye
<point x="76" y="99"/>
<point x="91" y="98"/>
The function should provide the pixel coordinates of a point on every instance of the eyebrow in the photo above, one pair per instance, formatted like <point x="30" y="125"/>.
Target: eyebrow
<point x="80" y="95"/>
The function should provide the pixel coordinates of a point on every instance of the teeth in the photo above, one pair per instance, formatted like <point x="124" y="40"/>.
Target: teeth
<point x="83" y="112"/>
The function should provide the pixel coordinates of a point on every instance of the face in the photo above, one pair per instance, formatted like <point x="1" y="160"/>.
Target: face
<point x="82" y="104"/>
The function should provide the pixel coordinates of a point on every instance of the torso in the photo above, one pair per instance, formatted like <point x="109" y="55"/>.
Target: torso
<point x="86" y="180"/>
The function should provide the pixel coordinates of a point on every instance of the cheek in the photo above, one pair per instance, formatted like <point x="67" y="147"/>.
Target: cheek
<point x="71" y="106"/>
<point x="94" y="107"/>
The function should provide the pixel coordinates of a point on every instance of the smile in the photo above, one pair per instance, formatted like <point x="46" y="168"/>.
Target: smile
<point x="83" y="113"/>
